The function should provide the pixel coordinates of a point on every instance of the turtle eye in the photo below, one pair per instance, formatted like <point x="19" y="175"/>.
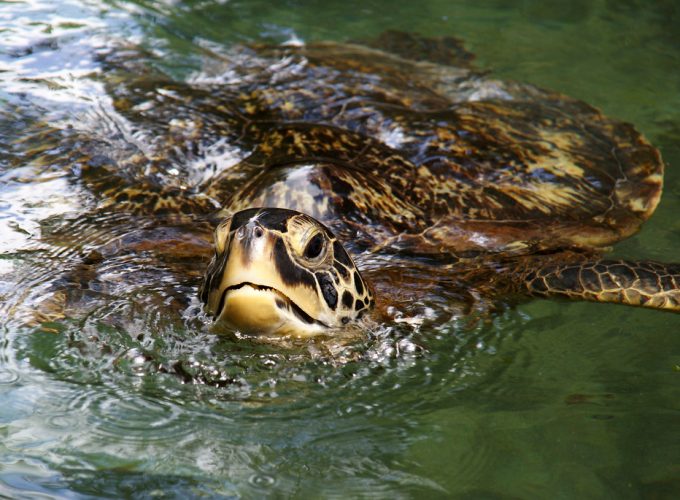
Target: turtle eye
<point x="314" y="247"/>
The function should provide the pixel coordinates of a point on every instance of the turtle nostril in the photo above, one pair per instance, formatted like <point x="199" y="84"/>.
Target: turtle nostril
<point x="258" y="232"/>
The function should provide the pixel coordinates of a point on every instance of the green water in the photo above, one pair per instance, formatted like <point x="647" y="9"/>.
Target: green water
<point x="546" y="400"/>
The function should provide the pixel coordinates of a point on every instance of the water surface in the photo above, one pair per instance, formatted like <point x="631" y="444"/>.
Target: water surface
<point x="138" y="397"/>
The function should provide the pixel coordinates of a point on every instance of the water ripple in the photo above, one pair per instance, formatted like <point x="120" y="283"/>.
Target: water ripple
<point x="9" y="376"/>
<point x="133" y="418"/>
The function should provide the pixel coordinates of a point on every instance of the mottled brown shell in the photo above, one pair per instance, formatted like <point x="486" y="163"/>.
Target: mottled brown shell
<point x="440" y="158"/>
<point x="426" y="155"/>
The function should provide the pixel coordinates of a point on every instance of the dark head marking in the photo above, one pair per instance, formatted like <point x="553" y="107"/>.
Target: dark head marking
<point x="342" y="270"/>
<point x="291" y="274"/>
<point x="330" y="294"/>
<point x="358" y="284"/>
<point x="341" y="255"/>
<point x="347" y="299"/>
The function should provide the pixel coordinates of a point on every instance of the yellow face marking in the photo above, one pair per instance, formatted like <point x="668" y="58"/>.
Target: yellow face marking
<point x="288" y="277"/>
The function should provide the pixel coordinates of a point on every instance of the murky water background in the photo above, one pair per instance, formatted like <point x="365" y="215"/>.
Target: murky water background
<point x="137" y="397"/>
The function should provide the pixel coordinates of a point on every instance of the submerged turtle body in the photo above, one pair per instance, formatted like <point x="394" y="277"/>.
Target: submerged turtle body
<point x="398" y="149"/>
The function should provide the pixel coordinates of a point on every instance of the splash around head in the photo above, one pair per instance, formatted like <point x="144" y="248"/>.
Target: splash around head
<point x="281" y="272"/>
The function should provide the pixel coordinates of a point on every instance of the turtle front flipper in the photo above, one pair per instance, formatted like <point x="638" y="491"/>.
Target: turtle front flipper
<point x="636" y="283"/>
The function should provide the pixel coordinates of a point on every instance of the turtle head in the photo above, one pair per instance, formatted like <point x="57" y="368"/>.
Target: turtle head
<point x="278" y="271"/>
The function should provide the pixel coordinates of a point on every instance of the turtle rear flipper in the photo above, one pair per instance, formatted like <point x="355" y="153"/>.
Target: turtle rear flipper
<point x="637" y="283"/>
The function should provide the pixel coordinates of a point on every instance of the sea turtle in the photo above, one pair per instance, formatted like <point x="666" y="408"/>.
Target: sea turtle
<point x="399" y="150"/>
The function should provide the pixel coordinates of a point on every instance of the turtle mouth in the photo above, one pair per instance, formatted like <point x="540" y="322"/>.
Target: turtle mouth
<point x="281" y="300"/>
